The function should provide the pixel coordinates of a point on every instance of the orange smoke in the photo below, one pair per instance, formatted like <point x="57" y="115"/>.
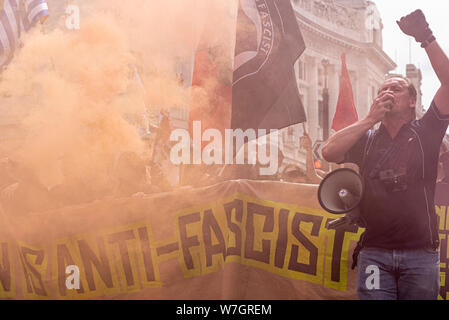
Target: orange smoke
<point x="73" y="89"/>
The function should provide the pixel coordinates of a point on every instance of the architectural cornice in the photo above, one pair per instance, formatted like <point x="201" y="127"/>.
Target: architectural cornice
<point x="341" y="40"/>
<point x="347" y="16"/>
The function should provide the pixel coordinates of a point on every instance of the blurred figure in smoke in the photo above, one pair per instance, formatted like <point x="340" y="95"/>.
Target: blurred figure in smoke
<point x="131" y="176"/>
<point x="289" y="173"/>
<point x="442" y="201"/>
<point x="160" y="158"/>
<point x="76" y="188"/>
<point x="21" y="190"/>
<point x="442" y="187"/>
<point x="298" y="175"/>
<point x="251" y="167"/>
<point x="126" y="177"/>
<point x="440" y="174"/>
<point x="18" y="17"/>
<point x="198" y="175"/>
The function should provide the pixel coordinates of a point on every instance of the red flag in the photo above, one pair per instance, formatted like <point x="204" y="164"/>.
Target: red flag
<point x="210" y="103"/>
<point x="211" y="96"/>
<point x="345" y="113"/>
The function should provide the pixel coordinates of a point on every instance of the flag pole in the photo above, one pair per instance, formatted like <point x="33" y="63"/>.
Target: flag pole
<point x="311" y="174"/>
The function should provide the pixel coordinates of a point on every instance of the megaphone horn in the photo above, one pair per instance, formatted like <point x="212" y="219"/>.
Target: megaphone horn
<point x="340" y="192"/>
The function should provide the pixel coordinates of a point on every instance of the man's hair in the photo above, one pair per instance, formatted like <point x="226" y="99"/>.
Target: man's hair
<point x="411" y="87"/>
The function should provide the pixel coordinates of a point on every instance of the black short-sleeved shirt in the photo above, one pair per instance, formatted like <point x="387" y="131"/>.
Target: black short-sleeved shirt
<point x="398" y="203"/>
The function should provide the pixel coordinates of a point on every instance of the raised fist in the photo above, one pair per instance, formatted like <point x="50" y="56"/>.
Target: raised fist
<point x="305" y="142"/>
<point x="415" y="25"/>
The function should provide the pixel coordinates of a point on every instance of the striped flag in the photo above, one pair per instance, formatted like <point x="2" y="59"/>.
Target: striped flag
<point x="17" y="16"/>
<point x="268" y="43"/>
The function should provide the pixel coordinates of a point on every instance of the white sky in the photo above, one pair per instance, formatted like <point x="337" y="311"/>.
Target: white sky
<point x="396" y="44"/>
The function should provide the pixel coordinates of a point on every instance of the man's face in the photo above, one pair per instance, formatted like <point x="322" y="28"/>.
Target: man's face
<point x="402" y="103"/>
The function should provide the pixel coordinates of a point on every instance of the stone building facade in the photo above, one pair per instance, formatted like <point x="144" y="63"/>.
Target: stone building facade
<point x="330" y="28"/>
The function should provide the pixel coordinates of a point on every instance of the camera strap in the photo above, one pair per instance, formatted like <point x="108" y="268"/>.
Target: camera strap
<point x="383" y="159"/>
<point x="368" y="144"/>
<point x="366" y="151"/>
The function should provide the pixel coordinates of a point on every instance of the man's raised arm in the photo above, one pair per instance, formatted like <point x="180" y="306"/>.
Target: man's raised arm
<point x="440" y="64"/>
<point x="415" y="25"/>
<point x="341" y="142"/>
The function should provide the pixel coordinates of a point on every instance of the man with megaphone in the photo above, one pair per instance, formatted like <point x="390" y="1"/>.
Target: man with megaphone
<point x="398" y="165"/>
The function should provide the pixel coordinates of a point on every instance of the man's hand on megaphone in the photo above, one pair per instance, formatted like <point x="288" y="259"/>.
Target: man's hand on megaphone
<point x="415" y="25"/>
<point x="381" y="105"/>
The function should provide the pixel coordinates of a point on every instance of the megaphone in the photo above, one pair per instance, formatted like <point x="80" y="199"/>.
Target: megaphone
<point x="340" y="192"/>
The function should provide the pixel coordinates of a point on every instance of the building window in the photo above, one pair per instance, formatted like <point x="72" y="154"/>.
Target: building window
<point x="377" y="37"/>
<point x="353" y="78"/>
<point x="302" y="71"/>
<point x="291" y="131"/>
<point x="320" y="113"/>
<point x="373" y="93"/>
<point x="320" y="77"/>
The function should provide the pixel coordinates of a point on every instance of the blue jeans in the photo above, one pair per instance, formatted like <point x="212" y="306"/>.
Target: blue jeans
<point x="412" y="274"/>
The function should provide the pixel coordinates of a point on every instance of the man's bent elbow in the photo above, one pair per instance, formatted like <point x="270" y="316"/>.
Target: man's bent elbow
<point x="325" y="153"/>
<point x="330" y="156"/>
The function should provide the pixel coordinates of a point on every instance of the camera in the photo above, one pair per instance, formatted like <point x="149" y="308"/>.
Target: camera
<point x="394" y="181"/>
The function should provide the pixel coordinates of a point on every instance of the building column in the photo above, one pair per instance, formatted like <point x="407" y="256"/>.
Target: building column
<point x="312" y="98"/>
<point x="360" y="85"/>
<point x="334" y="88"/>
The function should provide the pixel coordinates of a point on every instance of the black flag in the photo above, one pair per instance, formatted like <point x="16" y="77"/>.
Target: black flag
<point x="264" y="89"/>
